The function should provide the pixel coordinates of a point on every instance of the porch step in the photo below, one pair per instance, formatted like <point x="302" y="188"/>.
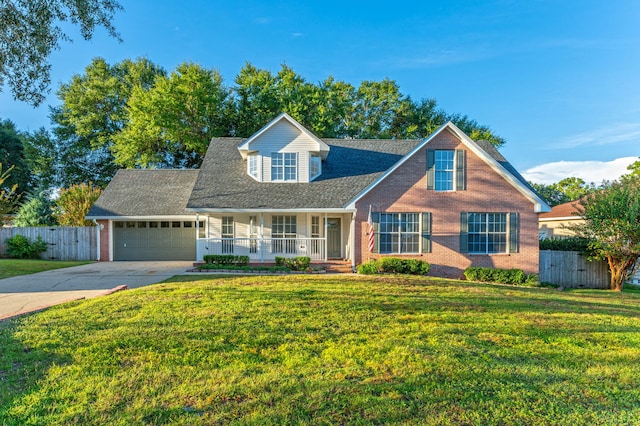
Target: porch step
<point x="336" y="266"/>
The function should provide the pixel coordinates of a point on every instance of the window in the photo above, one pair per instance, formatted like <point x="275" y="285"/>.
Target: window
<point x="284" y="166"/>
<point x="444" y="170"/>
<point x="487" y="233"/>
<point x="252" y="165"/>
<point x="314" y="166"/>
<point x="201" y="229"/>
<point x="283" y="227"/>
<point x="399" y="232"/>
<point x="227" y="234"/>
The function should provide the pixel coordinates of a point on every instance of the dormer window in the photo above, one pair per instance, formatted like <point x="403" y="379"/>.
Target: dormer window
<point x="284" y="166"/>
<point x="252" y="165"/>
<point x="314" y="166"/>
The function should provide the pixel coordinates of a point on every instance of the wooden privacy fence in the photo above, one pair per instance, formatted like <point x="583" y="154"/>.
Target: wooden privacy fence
<point x="571" y="269"/>
<point x="64" y="242"/>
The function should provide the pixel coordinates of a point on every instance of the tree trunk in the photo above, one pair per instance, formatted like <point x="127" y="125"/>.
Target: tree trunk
<point x="618" y="269"/>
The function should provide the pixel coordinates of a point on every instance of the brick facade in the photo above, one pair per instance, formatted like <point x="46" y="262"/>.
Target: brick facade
<point x="404" y="190"/>
<point x="104" y="241"/>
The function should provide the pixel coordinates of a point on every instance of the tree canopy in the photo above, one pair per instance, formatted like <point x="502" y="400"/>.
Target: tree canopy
<point x="32" y="30"/>
<point x="568" y="189"/>
<point x="134" y="114"/>
<point x="611" y="217"/>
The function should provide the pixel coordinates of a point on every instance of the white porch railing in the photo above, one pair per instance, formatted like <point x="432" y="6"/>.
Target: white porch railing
<point x="262" y="249"/>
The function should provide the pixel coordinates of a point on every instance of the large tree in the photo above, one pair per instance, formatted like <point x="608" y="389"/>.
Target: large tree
<point x="8" y="196"/>
<point x="32" y="29"/>
<point x="92" y="113"/>
<point x="12" y="155"/>
<point x="611" y="217"/>
<point x="75" y="202"/>
<point x="171" y="124"/>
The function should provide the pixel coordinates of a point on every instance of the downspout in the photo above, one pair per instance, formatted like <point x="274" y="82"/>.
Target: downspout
<point x="98" y="229"/>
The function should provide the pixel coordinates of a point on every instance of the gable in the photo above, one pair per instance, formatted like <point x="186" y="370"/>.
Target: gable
<point x="450" y="137"/>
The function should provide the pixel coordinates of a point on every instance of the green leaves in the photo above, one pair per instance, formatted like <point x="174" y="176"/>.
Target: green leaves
<point x="611" y="220"/>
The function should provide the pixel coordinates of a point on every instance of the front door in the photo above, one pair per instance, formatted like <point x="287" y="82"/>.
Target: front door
<point x="334" y="238"/>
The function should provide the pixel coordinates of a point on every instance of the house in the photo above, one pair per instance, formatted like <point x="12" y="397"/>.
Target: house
<point x="447" y="199"/>
<point x="557" y="222"/>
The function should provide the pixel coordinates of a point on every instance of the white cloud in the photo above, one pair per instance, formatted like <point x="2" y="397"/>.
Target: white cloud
<point x="616" y="133"/>
<point x="589" y="171"/>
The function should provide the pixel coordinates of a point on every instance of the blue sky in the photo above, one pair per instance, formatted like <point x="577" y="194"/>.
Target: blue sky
<point x="558" y="79"/>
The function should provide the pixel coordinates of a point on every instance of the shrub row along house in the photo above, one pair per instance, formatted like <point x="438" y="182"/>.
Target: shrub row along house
<point x="447" y="199"/>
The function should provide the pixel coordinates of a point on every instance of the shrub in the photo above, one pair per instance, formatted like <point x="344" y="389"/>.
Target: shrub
<point x="497" y="275"/>
<point x="566" y="244"/>
<point x="226" y="259"/>
<point x="20" y="247"/>
<point x="213" y="267"/>
<point x="300" y="263"/>
<point x="394" y="265"/>
<point x="371" y="267"/>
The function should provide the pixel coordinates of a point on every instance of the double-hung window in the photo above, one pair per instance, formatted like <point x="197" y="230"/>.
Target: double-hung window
<point x="284" y="233"/>
<point x="314" y="166"/>
<point x="487" y="233"/>
<point x="252" y="165"/>
<point x="399" y="232"/>
<point x="444" y="170"/>
<point x="284" y="166"/>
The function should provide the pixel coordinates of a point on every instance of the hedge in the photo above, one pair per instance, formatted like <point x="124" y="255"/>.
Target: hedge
<point x="394" y="265"/>
<point x="501" y="276"/>
<point x="226" y="259"/>
<point x="300" y="263"/>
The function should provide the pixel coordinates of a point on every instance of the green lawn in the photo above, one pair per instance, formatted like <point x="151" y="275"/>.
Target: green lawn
<point x="326" y="350"/>
<point x="14" y="267"/>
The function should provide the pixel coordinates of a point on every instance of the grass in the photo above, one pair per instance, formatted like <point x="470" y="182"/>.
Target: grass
<point x="326" y="350"/>
<point x="14" y="267"/>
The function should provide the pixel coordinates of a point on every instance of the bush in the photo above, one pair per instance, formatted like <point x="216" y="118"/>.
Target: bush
<point x="502" y="276"/>
<point x="371" y="267"/>
<point x="20" y="247"/>
<point x="566" y="244"/>
<point x="300" y="263"/>
<point x="394" y="265"/>
<point x="213" y="267"/>
<point x="226" y="259"/>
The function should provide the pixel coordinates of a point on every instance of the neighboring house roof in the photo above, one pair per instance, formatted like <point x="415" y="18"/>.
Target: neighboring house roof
<point x="488" y="153"/>
<point x="351" y="165"/>
<point x="136" y="193"/>
<point x="565" y="211"/>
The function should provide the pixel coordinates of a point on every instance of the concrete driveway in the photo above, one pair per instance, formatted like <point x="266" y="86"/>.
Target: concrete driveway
<point x="28" y="293"/>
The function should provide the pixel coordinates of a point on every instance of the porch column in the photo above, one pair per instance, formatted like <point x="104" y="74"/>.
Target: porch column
<point x="325" y="237"/>
<point x="353" y="241"/>
<point x="262" y="237"/>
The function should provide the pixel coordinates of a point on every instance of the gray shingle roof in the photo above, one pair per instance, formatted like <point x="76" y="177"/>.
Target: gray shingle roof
<point x="145" y="193"/>
<point x="351" y="166"/>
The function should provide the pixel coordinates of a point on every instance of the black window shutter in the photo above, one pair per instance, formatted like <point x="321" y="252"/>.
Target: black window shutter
<point x="426" y="232"/>
<point x="375" y="218"/>
<point x="431" y="168"/>
<point x="514" y="233"/>
<point x="464" y="229"/>
<point x="461" y="180"/>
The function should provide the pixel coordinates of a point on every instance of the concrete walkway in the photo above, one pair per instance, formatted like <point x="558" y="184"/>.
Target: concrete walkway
<point x="28" y="293"/>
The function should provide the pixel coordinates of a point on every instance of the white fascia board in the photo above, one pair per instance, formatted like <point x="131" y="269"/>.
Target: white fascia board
<point x="332" y="210"/>
<point x="554" y="219"/>
<point x="322" y="147"/>
<point x="177" y="217"/>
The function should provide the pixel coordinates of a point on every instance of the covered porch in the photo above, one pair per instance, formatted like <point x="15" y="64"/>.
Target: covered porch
<point x="265" y="235"/>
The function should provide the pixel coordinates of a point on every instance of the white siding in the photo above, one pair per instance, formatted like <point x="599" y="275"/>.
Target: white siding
<point x="284" y="137"/>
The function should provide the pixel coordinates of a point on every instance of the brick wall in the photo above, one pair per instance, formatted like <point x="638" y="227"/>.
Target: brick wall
<point x="104" y="241"/>
<point x="405" y="191"/>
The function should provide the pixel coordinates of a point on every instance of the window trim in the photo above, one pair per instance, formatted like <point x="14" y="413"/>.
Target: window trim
<point x="313" y="157"/>
<point x="253" y="163"/>
<point x="279" y="164"/>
